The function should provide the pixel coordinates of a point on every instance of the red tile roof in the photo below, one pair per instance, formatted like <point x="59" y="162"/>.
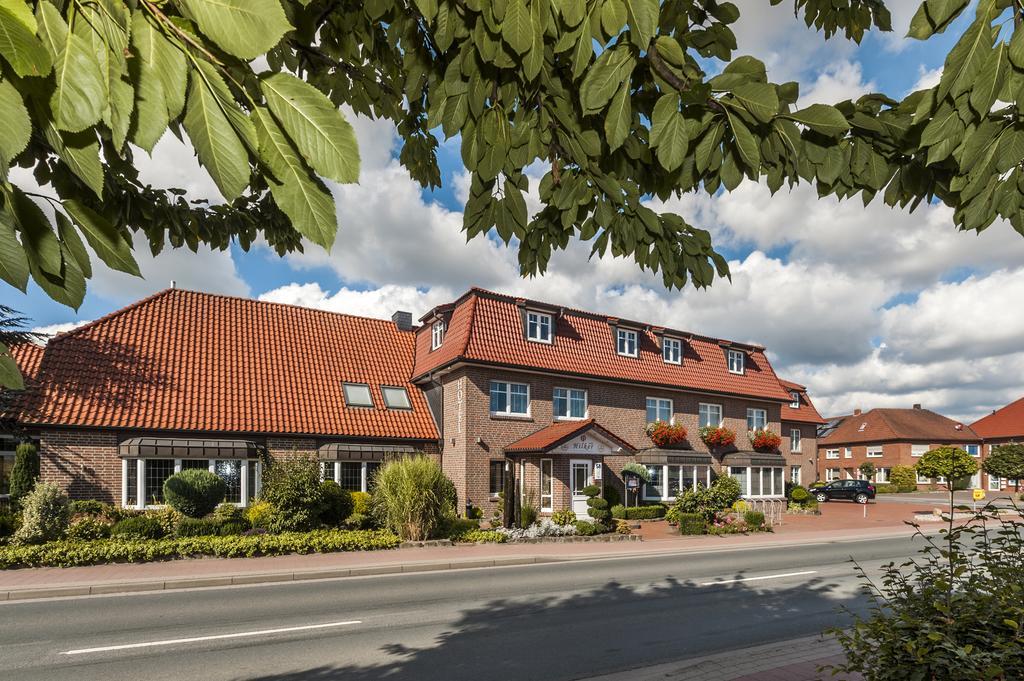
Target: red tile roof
<point x="1003" y="423"/>
<point x="486" y="327"/>
<point x="27" y="356"/>
<point x="182" y="360"/>
<point x="558" y="433"/>
<point x="899" y="425"/>
<point x="805" y="413"/>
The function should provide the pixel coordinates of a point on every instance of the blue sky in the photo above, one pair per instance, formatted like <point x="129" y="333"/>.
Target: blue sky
<point x="868" y="307"/>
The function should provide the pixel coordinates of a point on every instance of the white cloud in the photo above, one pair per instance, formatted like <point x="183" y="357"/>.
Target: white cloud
<point x="379" y="302"/>
<point x="54" y="329"/>
<point x="837" y="82"/>
<point x="927" y="78"/>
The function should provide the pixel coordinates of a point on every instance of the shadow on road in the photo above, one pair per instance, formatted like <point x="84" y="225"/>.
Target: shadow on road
<point x="606" y="629"/>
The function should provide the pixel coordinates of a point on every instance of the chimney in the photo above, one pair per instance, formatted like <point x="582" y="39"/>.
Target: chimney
<point x="402" y="320"/>
<point x="917" y="406"/>
<point x="856" y="412"/>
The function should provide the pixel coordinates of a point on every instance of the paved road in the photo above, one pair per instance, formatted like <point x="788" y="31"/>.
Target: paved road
<point x="558" y="621"/>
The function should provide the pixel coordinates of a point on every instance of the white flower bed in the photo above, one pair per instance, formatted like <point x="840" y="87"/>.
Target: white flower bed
<point x="543" y="528"/>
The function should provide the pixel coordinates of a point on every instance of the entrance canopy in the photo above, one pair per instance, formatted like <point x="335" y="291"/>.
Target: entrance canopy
<point x="184" y="448"/>
<point x="348" y="451"/>
<point x="753" y="459"/>
<point x="585" y="438"/>
<point x="658" y="456"/>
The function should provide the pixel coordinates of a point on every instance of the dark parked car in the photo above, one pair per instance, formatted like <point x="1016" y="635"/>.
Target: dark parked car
<point x="855" y="490"/>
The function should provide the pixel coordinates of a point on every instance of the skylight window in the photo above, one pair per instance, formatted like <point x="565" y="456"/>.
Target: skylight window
<point x="395" y="398"/>
<point x="357" y="395"/>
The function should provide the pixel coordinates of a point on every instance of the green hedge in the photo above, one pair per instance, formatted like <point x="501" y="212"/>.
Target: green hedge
<point x="692" y="523"/>
<point x="72" y="553"/>
<point x="639" y="512"/>
<point x="481" y="536"/>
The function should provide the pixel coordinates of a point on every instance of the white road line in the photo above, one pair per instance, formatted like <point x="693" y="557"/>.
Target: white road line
<point x="754" y="579"/>
<point x="217" y="637"/>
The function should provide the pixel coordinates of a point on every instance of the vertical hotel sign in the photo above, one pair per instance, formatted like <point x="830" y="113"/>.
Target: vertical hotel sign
<point x="460" y="403"/>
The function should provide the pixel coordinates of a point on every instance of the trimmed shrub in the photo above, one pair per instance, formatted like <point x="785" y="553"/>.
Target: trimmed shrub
<point x="884" y="488"/>
<point x="139" y="527"/>
<point x="646" y="512"/>
<point x="754" y="519"/>
<point x="168" y="519"/>
<point x="87" y="507"/>
<point x="44" y="516"/>
<point x="564" y="517"/>
<point x="799" y="495"/>
<point x="591" y="491"/>
<point x="622" y="527"/>
<point x="338" y="504"/>
<point x="479" y="536"/>
<point x="611" y="493"/>
<point x="260" y="514"/>
<point x="25" y="471"/>
<point x="231" y="528"/>
<point x="228" y="513"/>
<point x="86" y="529"/>
<point x="586" y="529"/>
<point x="904" y="477"/>
<point x="292" y="486"/>
<point x="196" y="527"/>
<point x="597" y="508"/>
<point x="194" y="492"/>
<point x="691" y="523"/>
<point x="361" y="502"/>
<point x="413" y="498"/>
<point x="619" y="512"/>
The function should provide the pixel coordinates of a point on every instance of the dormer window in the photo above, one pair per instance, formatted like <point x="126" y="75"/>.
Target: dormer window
<point x="437" y="335"/>
<point x="672" y="350"/>
<point x="395" y="397"/>
<point x="357" y="394"/>
<point x="626" y="342"/>
<point x="538" y="327"/>
<point x="795" y="396"/>
<point x="736" y="361"/>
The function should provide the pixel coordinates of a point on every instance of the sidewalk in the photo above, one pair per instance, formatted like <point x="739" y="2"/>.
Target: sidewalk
<point x="30" y="583"/>
<point x="793" y="660"/>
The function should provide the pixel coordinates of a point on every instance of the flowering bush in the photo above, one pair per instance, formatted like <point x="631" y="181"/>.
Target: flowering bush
<point x="717" y="436"/>
<point x="666" y="434"/>
<point x="765" y="440"/>
<point x="545" y="528"/>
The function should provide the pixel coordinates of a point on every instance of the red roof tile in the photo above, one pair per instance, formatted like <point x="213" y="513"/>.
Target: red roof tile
<point x="1003" y="423"/>
<point x="900" y="425"/>
<point x="28" y="356"/>
<point x="182" y="360"/>
<point x="558" y="433"/>
<point x="805" y="413"/>
<point x="486" y="327"/>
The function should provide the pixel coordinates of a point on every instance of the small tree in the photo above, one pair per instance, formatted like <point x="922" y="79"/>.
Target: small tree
<point x="904" y="478"/>
<point x="867" y="469"/>
<point x="950" y="463"/>
<point x="1007" y="462"/>
<point x="25" y="471"/>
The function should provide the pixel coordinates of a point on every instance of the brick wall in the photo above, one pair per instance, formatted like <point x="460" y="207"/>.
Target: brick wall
<point x="806" y="458"/>
<point x="893" y="454"/>
<point x="82" y="462"/>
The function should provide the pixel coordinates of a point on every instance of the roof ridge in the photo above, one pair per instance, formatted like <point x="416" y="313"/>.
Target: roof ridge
<point x="469" y="328"/>
<point x="885" y="419"/>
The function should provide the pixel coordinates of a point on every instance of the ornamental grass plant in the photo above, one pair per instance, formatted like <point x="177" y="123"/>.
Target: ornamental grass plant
<point x="413" y="498"/>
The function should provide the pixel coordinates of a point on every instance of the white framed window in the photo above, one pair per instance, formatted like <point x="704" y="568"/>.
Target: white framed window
<point x="874" y="453"/>
<point x="794" y="475"/>
<point x="437" y="335"/>
<point x="510" y="399"/>
<point x="757" y="481"/>
<point x="626" y="342"/>
<point x="496" y="478"/>
<point x="569" y="403"/>
<point x="795" y="397"/>
<point x="354" y="476"/>
<point x="142" y="480"/>
<point x="672" y="350"/>
<point x="973" y="450"/>
<point x="882" y="475"/>
<point x="395" y="397"/>
<point x="667" y="481"/>
<point x="794" y="440"/>
<point x="831" y="453"/>
<point x="848" y="453"/>
<point x="922" y="480"/>
<point x="737" y="361"/>
<point x="919" y="450"/>
<point x="659" y="409"/>
<point x="538" y="327"/>
<point x="547" y="484"/>
<point x="357" y="395"/>
<point x="995" y="484"/>
<point x="757" y="419"/>
<point x="710" y="414"/>
<point x="655" y="489"/>
<point x="831" y="474"/>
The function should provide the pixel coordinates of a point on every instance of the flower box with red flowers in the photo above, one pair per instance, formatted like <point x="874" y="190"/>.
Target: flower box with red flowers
<point x="666" y="434"/>
<point x="717" y="436"/>
<point x="765" y="440"/>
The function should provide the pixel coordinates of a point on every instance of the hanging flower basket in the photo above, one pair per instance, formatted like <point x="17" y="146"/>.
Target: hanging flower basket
<point x="765" y="440"/>
<point x="665" y="434"/>
<point x="717" y="436"/>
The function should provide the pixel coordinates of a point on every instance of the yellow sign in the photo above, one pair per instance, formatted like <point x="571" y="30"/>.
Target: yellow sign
<point x="979" y="494"/>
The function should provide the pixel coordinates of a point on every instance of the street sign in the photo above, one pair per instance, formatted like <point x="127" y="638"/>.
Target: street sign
<point x="979" y="494"/>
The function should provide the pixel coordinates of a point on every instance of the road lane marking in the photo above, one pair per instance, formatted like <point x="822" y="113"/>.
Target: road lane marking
<point x="216" y="637"/>
<point x="754" y="579"/>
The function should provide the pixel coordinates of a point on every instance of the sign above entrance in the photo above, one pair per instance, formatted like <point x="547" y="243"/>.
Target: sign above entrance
<point x="586" y="443"/>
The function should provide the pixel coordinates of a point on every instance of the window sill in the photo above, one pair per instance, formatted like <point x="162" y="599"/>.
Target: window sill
<point x="511" y="417"/>
<point x="569" y="418"/>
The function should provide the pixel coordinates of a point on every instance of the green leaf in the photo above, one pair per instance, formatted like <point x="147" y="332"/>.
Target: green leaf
<point x="108" y="243"/>
<point x="13" y="263"/>
<point x="319" y="131"/>
<point x="668" y="132"/>
<point x="17" y="126"/>
<point x="745" y="142"/>
<point x="80" y="152"/>
<point x="18" y="43"/>
<point x="214" y="135"/>
<point x="301" y="196"/>
<point x="613" y="16"/>
<point x="989" y="81"/>
<point x="244" y="28"/>
<point x="517" y="27"/>
<point x="160" y="74"/>
<point x="821" y="118"/>
<point x="965" y="59"/>
<point x="618" y="118"/>
<point x="934" y="16"/>
<point x="1016" y="51"/>
<point x="41" y="245"/>
<point x="643" y="21"/>
<point x="760" y="99"/>
<point x="611" y="69"/>
<point x="76" y="247"/>
<point x="79" y="96"/>
<point x="10" y="376"/>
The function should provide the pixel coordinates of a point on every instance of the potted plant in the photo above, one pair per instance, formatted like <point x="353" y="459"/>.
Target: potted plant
<point x="764" y="440"/>
<point x="665" y="434"/>
<point x="717" y="436"/>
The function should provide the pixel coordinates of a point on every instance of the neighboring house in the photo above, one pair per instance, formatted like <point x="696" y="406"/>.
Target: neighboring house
<point x="27" y="356"/>
<point x="509" y="394"/>
<point x="800" y="423"/>
<point x="558" y="398"/>
<point x="1001" y="426"/>
<point x="192" y="380"/>
<point x="887" y="438"/>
